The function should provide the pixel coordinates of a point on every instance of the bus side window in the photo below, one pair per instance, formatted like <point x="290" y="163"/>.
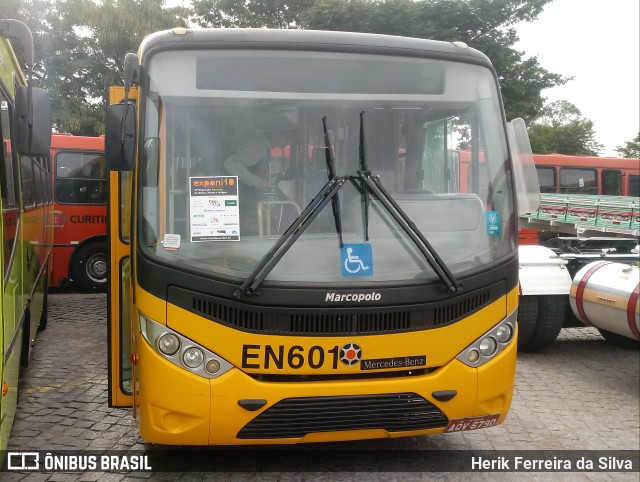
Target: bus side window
<point x="7" y="184"/>
<point x="634" y="185"/>
<point x="8" y="170"/>
<point x="28" y="187"/>
<point x="611" y="182"/>
<point x="80" y="178"/>
<point x="546" y="179"/>
<point x="46" y="180"/>
<point x="575" y="180"/>
<point x="37" y="182"/>
<point x="437" y="157"/>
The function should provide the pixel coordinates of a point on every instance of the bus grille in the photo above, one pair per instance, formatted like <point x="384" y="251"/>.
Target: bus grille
<point x="296" y="417"/>
<point x="333" y="321"/>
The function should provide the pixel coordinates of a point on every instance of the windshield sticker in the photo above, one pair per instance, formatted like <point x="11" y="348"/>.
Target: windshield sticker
<point x="214" y="208"/>
<point x="171" y="242"/>
<point x="493" y="223"/>
<point x="356" y="260"/>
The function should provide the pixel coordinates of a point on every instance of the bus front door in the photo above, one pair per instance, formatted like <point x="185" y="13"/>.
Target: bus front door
<point x="121" y="358"/>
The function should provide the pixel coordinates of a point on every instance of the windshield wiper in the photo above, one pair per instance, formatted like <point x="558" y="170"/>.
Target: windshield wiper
<point x="328" y="193"/>
<point x="372" y="182"/>
<point x="331" y="171"/>
<point x="362" y="151"/>
<point x="299" y="225"/>
<point x="368" y="182"/>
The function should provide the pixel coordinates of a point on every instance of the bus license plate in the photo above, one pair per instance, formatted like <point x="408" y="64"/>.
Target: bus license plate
<point x="472" y="423"/>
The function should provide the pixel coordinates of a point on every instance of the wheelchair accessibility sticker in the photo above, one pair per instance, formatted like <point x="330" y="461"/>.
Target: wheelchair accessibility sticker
<point x="493" y="223"/>
<point x="356" y="260"/>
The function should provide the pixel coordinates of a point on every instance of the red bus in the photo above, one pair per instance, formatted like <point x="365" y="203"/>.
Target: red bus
<point x="80" y="212"/>
<point x="562" y="174"/>
<point x="609" y="176"/>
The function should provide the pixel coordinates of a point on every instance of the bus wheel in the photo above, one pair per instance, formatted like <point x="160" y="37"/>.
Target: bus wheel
<point x="45" y="309"/>
<point x="26" y="340"/>
<point x="90" y="266"/>
<point x="527" y="319"/>
<point x="551" y="313"/>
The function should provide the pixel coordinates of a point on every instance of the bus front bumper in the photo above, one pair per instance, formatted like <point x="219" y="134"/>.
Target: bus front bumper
<point x="180" y="408"/>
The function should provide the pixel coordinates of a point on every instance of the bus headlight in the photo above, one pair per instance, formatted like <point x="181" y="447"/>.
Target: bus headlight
<point x="490" y="344"/>
<point x="213" y="366"/>
<point x="193" y="357"/>
<point x="181" y="351"/>
<point x="504" y="333"/>
<point x="168" y="344"/>
<point x="473" y="356"/>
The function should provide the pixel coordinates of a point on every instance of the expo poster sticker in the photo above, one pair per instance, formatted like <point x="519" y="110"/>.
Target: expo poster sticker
<point x="214" y="213"/>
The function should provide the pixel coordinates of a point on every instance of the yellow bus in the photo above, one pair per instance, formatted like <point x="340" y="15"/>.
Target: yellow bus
<point x="26" y="201"/>
<point x="292" y="259"/>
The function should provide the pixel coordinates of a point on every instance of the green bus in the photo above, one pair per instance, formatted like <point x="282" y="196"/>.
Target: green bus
<point x="26" y="202"/>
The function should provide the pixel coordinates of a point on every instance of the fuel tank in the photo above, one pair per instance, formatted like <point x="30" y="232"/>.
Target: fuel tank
<point x="605" y="295"/>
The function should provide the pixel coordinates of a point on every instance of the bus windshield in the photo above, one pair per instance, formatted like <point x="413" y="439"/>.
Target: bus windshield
<point x="235" y="149"/>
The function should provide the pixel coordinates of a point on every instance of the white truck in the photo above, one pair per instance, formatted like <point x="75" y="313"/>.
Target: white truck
<point x="587" y="278"/>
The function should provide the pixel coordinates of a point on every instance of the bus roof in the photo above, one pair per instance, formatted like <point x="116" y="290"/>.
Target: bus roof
<point x="68" y="141"/>
<point x="585" y="161"/>
<point x="291" y="39"/>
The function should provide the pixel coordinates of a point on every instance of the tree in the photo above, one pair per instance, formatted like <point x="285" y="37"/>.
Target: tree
<point x="485" y="25"/>
<point x="562" y="129"/>
<point x="80" y="44"/>
<point x="631" y="149"/>
<point x="250" y="14"/>
<point x="33" y="13"/>
<point x="80" y="48"/>
<point x="88" y="53"/>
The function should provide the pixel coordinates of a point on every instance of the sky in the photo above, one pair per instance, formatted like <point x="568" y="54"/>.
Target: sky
<point x="598" y="43"/>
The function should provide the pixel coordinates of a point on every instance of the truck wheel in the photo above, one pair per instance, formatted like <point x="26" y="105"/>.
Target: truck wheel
<point x="90" y="267"/>
<point x="527" y="319"/>
<point x="619" y="340"/>
<point x="551" y="313"/>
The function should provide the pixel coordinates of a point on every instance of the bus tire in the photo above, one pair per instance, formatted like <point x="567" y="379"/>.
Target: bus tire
<point x="619" y="340"/>
<point x="90" y="266"/>
<point x="527" y="319"/>
<point x="26" y="340"/>
<point x="45" y="310"/>
<point x="551" y="313"/>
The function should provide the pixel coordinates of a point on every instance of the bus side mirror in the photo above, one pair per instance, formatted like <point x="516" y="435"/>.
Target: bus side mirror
<point x="131" y="70"/>
<point x="120" y="137"/>
<point x="35" y="139"/>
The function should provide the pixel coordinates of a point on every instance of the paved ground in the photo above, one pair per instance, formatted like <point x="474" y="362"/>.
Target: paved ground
<point x="581" y="394"/>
